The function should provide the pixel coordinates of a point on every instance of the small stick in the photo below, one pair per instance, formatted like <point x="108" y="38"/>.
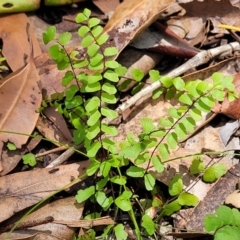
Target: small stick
<point x="58" y="149"/>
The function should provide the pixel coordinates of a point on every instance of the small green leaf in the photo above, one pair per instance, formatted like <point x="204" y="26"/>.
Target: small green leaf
<point x="178" y="83"/>
<point x="111" y="75"/>
<point x="68" y="77"/>
<point x="111" y="64"/>
<point x="188" y="199"/>
<point x="96" y="31"/>
<point x="135" y="172"/>
<point x="166" y="81"/>
<point x="74" y="102"/>
<point x="173" y="112"/>
<point x="11" y="146"/>
<point x="81" y="17"/>
<point x="147" y="125"/>
<point x="92" y="87"/>
<point x="132" y="151"/>
<point x="110" y="130"/>
<point x="120" y="180"/>
<point x="157" y="93"/>
<point x="92" y="50"/>
<point x="120" y="233"/>
<point x="105" y="167"/>
<point x="94" y="166"/>
<point x="93" y="131"/>
<point x="102" y="39"/>
<point x="197" y="165"/>
<point x="214" y="172"/>
<point x="171" y="208"/>
<point x="176" y="185"/>
<point x="123" y="202"/>
<point x="84" y="194"/>
<point x="103" y="200"/>
<point x="49" y="34"/>
<point x="149" y="181"/>
<point x="109" y="88"/>
<point x="110" y="51"/>
<point x="218" y="94"/>
<point x="137" y="74"/>
<point x="94" y="118"/>
<point x="108" y="98"/>
<point x="92" y="22"/>
<point x="96" y="59"/>
<point x="203" y="87"/>
<point x="163" y="151"/>
<point x="195" y="114"/>
<point x="92" y="104"/>
<point x="71" y="91"/>
<point x="148" y="224"/>
<point x="93" y="149"/>
<point x="166" y="121"/>
<point x="109" y="113"/>
<point x="64" y="38"/>
<point x="83" y="30"/>
<point x="157" y="163"/>
<point x="186" y="99"/>
<point x="120" y="71"/>
<point x="87" y="41"/>
<point x="154" y="75"/>
<point x="29" y="159"/>
<point x="172" y="140"/>
<point x="102" y="183"/>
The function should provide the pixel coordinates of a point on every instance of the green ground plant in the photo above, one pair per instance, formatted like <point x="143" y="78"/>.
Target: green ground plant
<point x="91" y="95"/>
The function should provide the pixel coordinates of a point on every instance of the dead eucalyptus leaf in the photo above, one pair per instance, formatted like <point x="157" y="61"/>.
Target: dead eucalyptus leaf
<point x="20" y="97"/>
<point x="21" y="190"/>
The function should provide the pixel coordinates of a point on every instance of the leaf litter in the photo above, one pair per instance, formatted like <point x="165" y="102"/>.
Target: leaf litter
<point x="116" y="27"/>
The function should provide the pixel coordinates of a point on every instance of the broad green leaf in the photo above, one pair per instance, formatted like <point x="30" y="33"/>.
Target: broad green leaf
<point x="92" y="50"/>
<point x="154" y="75"/>
<point x="68" y="77"/>
<point x="171" y="208"/>
<point x="96" y="31"/>
<point x="212" y="223"/>
<point x="225" y="214"/>
<point x="94" y="166"/>
<point x="93" y="131"/>
<point x="166" y="81"/>
<point x="102" y="39"/>
<point x="123" y="203"/>
<point x="11" y="146"/>
<point x="95" y="77"/>
<point x="84" y="194"/>
<point x="49" y="34"/>
<point x="227" y="232"/>
<point x="149" y="181"/>
<point x="236" y="217"/>
<point x="148" y="224"/>
<point x="157" y="163"/>
<point x="83" y="30"/>
<point x="29" y="159"/>
<point x="94" y="118"/>
<point x="135" y="172"/>
<point x="137" y="74"/>
<point x="107" y="98"/>
<point x="188" y="199"/>
<point x="214" y="172"/>
<point x="105" y="168"/>
<point x="147" y="125"/>
<point x="120" y="180"/>
<point x="186" y="99"/>
<point x="93" y="149"/>
<point x="172" y="140"/>
<point x="109" y="88"/>
<point x="109" y="113"/>
<point x="64" y="38"/>
<point x="110" y="130"/>
<point x="163" y="151"/>
<point x="110" y="51"/>
<point x="111" y="64"/>
<point x="176" y="185"/>
<point x="178" y="83"/>
<point x="111" y="75"/>
<point x="92" y="22"/>
<point x="103" y="200"/>
<point x="92" y="104"/>
<point x="197" y="165"/>
<point x="120" y="232"/>
<point x="96" y="59"/>
<point x="87" y="41"/>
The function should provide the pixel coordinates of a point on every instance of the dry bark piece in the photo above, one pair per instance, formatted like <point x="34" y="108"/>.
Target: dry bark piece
<point x="20" y="97"/>
<point x="15" y="40"/>
<point x="233" y="199"/>
<point x="21" y="190"/>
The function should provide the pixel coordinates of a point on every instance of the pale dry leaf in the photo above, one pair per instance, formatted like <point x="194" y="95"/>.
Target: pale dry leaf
<point x="20" y="97"/>
<point x="21" y="190"/>
<point x="15" y="40"/>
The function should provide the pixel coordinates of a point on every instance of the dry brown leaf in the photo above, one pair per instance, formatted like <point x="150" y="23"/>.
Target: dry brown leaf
<point x="21" y="190"/>
<point x="20" y="97"/>
<point x="66" y="209"/>
<point x="15" y="40"/>
<point x="106" y="6"/>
